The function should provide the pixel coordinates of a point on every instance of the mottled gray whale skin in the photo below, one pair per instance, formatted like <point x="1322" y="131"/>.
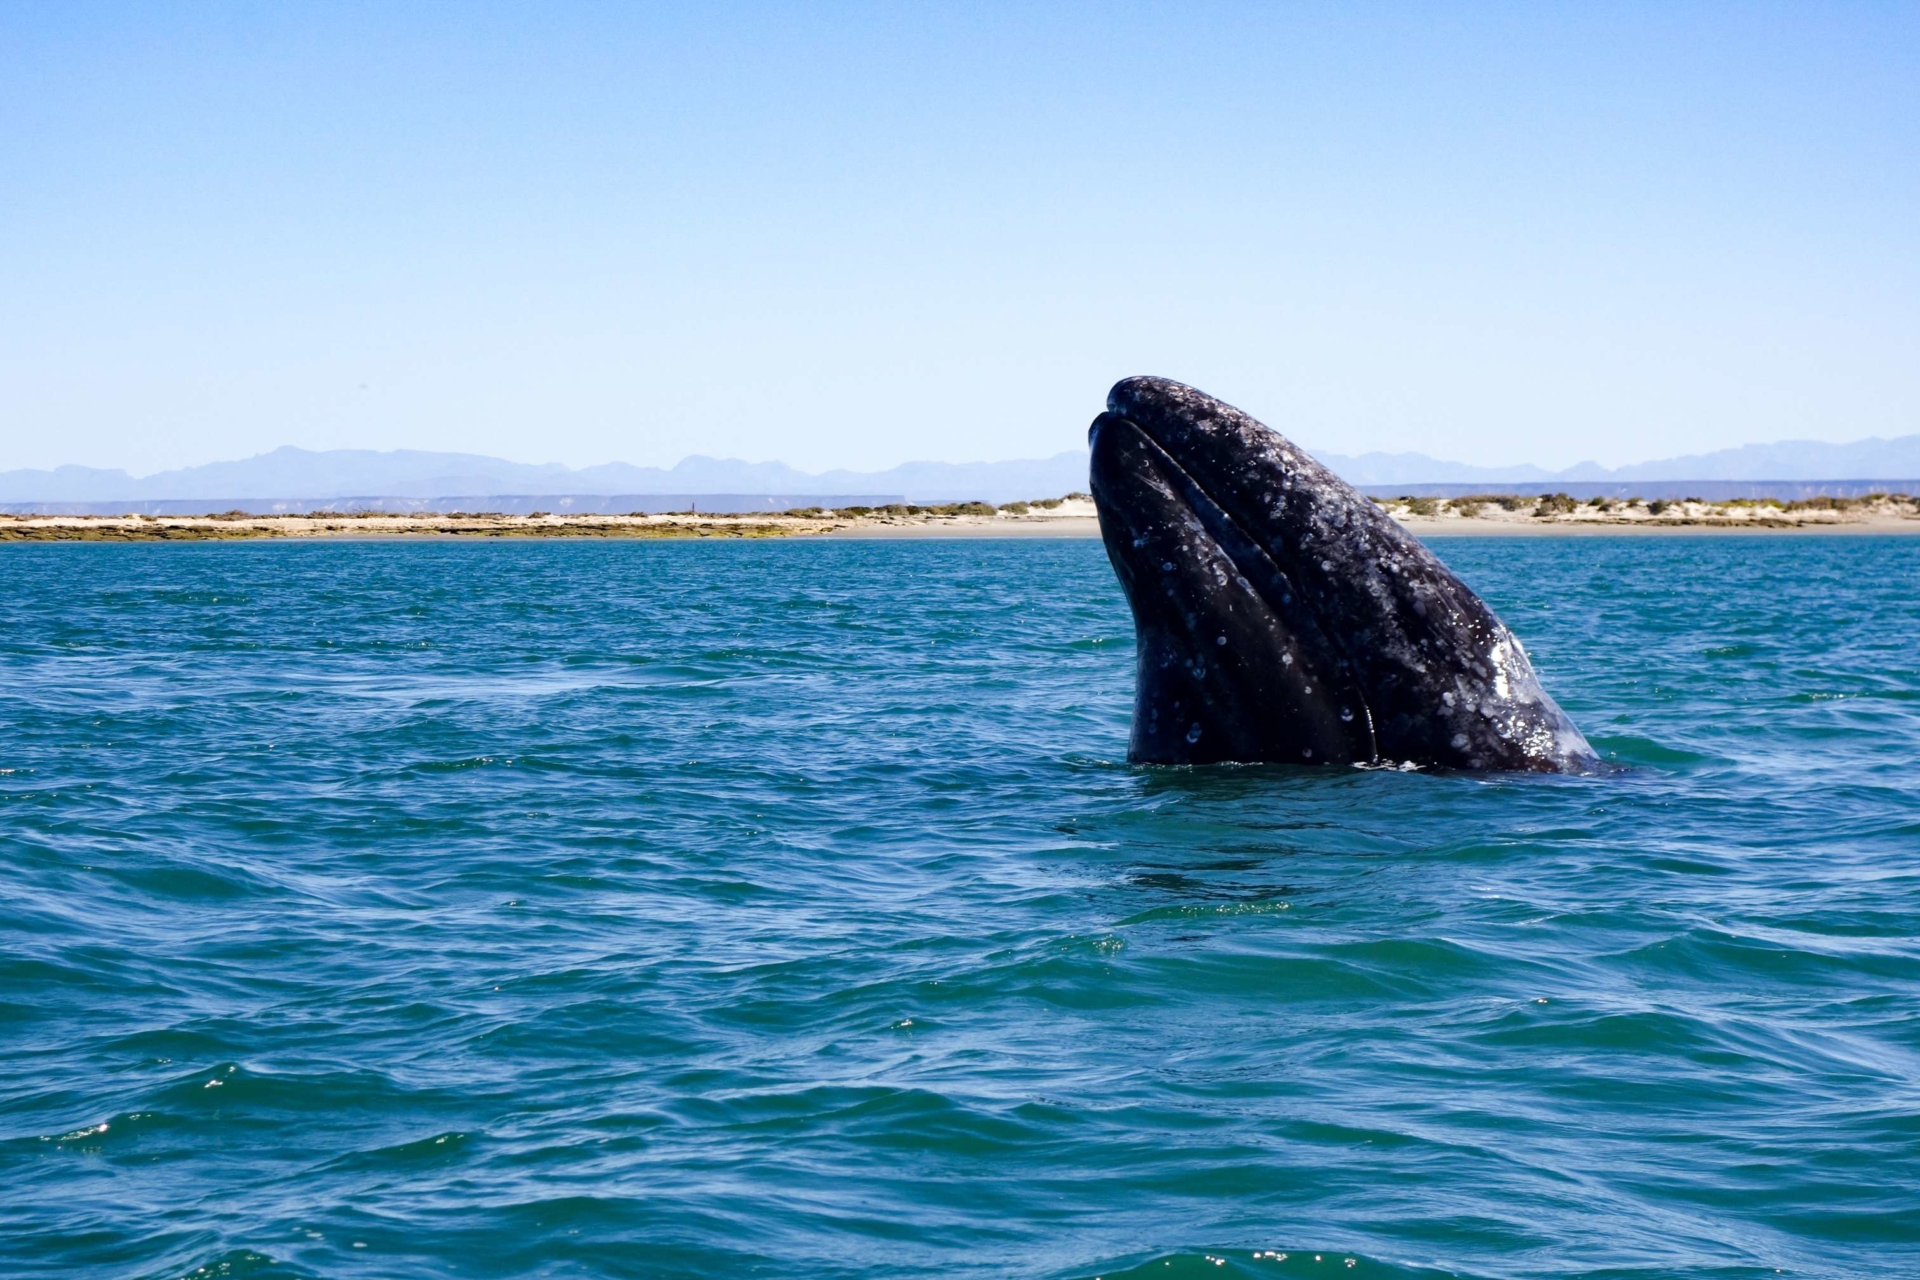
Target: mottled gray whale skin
<point x="1281" y="616"/>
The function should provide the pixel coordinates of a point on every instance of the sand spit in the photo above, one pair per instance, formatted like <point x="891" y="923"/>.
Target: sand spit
<point x="1069" y="517"/>
<point x="1556" y="513"/>
<point x="218" y="528"/>
<point x="1072" y="516"/>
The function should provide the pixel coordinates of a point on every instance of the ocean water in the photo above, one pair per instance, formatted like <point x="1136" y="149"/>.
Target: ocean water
<point x="788" y="909"/>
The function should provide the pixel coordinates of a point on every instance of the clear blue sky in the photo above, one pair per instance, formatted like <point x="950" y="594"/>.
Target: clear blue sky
<point x="854" y="236"/>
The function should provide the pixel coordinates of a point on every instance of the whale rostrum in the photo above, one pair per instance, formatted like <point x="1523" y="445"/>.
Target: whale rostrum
<point x="1282" y="616"/>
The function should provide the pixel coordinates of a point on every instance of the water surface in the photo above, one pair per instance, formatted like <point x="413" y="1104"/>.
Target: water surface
<point x="788" y="909"/>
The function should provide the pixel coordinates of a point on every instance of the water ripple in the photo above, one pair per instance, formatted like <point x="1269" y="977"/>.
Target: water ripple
<point x="789" y="909"/>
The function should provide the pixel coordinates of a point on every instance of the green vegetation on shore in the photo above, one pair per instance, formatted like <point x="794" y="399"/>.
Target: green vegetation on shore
<point x="235" y="524"/>
<point x="1743" y="512"/>
<point x="1514" y="509"/>
<point x="226" y="529"/>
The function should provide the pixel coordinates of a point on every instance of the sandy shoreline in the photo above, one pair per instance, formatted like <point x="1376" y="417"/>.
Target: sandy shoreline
<point x="1071" y="517"/>
<point x="1467" y="527"/>
<point x="1030" y="526"/>
<point x="1089" y="527"/>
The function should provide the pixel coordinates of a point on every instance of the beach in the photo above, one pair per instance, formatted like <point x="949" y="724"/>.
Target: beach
<point x="1070" y="517"/>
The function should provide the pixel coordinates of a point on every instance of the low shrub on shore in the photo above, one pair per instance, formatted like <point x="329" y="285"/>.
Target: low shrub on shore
<point x="956" y="509"/>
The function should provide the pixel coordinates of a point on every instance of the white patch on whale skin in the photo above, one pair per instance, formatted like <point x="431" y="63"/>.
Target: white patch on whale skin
<point x="1505" y="669"/>
<point x="1569" y="743"/>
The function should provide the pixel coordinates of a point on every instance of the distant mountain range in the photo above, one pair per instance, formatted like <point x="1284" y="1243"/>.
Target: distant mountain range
<point x="290" y="473"/>
<point x="408" y="473"/>
<point x="1874" y="459"/>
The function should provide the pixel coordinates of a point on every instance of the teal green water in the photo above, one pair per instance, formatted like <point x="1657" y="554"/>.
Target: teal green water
<point x="788" y="909"/>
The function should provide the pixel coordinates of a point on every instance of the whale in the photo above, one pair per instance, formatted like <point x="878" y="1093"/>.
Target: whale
<point x="1281" y="616"/>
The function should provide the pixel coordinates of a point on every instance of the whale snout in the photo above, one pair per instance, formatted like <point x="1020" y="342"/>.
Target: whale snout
<point x="1281" y="615"/>
<point x="1232" y="662"/>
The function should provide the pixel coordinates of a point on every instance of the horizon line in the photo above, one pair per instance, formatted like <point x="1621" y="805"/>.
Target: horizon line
<point x="1317" y="453"/>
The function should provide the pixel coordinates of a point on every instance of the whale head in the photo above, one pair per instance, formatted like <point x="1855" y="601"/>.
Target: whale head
<point x="1282" y="616"/>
